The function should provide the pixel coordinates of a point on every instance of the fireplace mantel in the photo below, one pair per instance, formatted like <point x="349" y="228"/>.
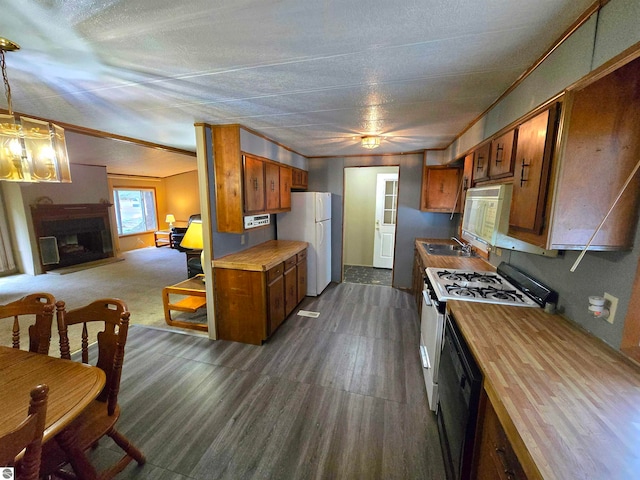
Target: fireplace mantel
<point x="71" y="234"/>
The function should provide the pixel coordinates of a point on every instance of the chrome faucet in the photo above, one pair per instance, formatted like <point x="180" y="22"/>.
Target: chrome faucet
<point x="466" y="248"/>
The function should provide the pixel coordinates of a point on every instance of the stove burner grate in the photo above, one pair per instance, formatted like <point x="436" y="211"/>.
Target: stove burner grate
<point x="480" y="277"/>
<point x="463" y="291"/>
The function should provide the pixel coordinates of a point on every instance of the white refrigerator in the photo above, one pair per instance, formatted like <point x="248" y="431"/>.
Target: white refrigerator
<point x="310" y="221"/>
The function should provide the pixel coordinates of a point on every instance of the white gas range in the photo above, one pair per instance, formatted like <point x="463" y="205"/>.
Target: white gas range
<point x="507" y="286"/>
<point x="476" y="286"/>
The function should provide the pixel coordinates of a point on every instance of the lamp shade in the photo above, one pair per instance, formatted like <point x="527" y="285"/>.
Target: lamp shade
<point x="170" y="218"/>
<point x="193" y="236"/>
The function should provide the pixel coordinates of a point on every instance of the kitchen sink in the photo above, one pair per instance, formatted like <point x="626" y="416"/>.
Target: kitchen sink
<point x="446" y="250"/>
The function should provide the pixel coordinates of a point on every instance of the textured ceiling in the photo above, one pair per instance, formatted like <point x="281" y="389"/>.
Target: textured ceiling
<point x="314" y="76"/>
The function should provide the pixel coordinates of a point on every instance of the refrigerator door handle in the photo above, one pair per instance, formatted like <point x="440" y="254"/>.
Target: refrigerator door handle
<point x="321" y="233"/>
<point x="319" y="208"/>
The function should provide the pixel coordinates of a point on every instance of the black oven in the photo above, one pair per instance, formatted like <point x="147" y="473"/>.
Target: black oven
<point x="459" y="382"/>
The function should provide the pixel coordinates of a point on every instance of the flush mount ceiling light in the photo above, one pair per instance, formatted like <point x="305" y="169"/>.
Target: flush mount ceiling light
<point x="370" y="142"/>
<point x="31" y="150"/>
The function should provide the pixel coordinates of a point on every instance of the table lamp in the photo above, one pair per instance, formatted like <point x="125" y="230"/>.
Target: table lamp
<point x="170" y="219"/>
<point x="193" y="239"/>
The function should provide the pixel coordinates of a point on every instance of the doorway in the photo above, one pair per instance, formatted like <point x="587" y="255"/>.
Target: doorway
<point x="369" y="232"/>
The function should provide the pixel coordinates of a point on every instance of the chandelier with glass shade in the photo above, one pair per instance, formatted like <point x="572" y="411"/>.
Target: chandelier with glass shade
<point x="31" y="150"/>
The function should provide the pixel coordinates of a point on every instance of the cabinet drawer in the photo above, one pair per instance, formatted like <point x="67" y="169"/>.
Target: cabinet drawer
<point x="302" y="256"/>
<point x="289" y="263"/>
<point x="275" y="272"/>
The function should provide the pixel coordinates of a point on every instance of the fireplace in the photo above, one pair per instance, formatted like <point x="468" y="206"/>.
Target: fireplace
<point x="72" y="234"/>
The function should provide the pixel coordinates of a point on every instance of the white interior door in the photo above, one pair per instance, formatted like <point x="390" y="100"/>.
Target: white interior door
<point x="386" y="213"/>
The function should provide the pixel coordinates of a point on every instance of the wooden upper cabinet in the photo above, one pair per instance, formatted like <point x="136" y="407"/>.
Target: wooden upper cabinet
<point x="272" y="185"/>
<point x="229" y="178"/>
<point x="441" y="189"/>
<point x="481" y="163"/>
<point x="285" y="188"/>
<point x="254" y="199"/>
<point x="299" y="180"/>
<point x="242" y="186"/>
<point x="501" y="158"/>
<point x="535" y="143"/>
<point x="601" y="148"/>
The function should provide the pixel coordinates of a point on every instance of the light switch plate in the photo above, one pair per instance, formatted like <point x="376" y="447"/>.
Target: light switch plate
<point x="613" y="305"/>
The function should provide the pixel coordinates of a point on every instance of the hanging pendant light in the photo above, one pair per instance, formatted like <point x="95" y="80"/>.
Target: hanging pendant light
<point x="31" y="150"/>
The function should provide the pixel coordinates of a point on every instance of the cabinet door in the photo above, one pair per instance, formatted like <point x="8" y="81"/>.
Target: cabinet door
<point x="301" y="271"/>
<point x="253" y="185"/>
<point x="440" y="189"/>
<point x="501" y="159"/>
<point x="275" y="303"/>
<point x="290" y="290"/>
<point x="496" y="458"/>
<point x="481" y="163"/>
<point x="530" y="181"/>
<point x="285" y="188"/>
<point x="418" y="280"/>
<point x="601" y="150"/>
<point x="272" y="184"/>
<point x="304" y="179"/>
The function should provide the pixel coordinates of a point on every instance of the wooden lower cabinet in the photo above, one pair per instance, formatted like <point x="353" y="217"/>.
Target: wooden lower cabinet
<point x="418" y="280"/>
<point x="251" y="305"/>
<point x="301" y="275"/>
<point x="276" y="303"/>
<point x="290" y="285"/>
<point x="241" y="305"/>
<point x="496" y="458"/>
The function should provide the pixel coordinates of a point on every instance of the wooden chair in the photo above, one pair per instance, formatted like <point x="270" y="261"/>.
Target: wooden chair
<point x="100" y="417"/>
<point x="40" y="305"/>
<point x="28" y="435"/>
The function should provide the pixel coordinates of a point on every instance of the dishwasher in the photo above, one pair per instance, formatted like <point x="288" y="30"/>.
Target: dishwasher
<point x="459" y="382"/>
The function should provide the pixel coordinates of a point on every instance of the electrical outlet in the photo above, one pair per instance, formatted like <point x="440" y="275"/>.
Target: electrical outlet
<point x="613" y="305"/>
<point x="498" y="251"/>
<point x="242" y="240"/>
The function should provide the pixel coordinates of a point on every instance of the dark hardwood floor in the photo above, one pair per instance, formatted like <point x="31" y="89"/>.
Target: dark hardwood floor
<point x="338" y="396"/>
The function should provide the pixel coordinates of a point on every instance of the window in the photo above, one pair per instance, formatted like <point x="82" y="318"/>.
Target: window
<point x="135" y="210"/>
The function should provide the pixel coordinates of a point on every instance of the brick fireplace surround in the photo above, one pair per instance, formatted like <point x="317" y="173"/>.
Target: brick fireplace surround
<point x="78" y="233"/>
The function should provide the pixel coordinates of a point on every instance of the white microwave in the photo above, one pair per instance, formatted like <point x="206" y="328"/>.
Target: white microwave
<point x="486" y="214"/>
<point x="485" y="222"/>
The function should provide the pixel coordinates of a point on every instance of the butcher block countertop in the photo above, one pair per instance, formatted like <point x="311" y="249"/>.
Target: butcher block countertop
<point x="261" y="257"/>
<point x="450" y="262"/>
<point x="570" y="404"/>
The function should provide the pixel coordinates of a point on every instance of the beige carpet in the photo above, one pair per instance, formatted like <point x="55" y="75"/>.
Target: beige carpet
<point x="138" y="281"/>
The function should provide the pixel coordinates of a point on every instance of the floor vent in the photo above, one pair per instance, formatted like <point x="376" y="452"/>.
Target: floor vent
<point x="307" y="313"/>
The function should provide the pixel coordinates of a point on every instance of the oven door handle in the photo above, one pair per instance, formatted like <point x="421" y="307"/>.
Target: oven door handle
<point x="424" y="356"/>
<point x="426" y="298"/>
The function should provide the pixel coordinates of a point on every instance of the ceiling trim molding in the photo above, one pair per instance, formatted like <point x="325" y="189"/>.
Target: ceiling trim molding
<point x="581" y="20"/>
<point x="111" y="136"/>
<point x="118" y="176"/>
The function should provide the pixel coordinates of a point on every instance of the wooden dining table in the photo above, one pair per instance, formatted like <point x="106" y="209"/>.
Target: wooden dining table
<point x="72" y="387"/>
